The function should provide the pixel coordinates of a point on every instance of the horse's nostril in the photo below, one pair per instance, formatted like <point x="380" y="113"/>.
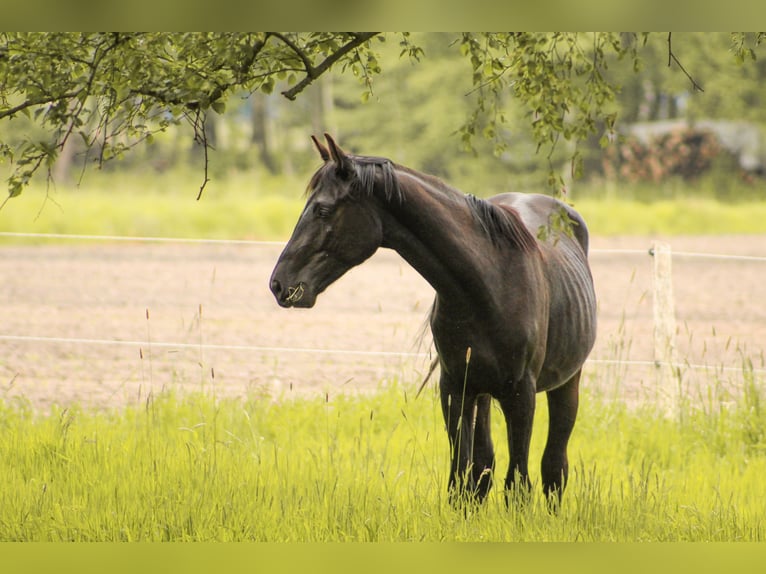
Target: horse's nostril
<point x="276" y="287"/>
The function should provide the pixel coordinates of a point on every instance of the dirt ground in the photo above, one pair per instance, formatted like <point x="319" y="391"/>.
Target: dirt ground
<point x="105" y="324"/>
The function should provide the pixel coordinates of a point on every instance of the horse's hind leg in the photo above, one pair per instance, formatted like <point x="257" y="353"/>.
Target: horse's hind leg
<point x="562" y="412"/>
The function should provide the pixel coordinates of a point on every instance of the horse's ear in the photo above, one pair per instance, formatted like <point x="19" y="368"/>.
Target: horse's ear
<point x="323" y="151"/>
<point x="342" y="161"/>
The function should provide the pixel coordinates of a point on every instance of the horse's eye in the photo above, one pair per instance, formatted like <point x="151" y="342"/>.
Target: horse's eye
<point x="322" y="210"/>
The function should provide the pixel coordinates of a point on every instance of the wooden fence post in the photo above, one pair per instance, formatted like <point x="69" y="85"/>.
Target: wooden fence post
<point x="665" y="356"/>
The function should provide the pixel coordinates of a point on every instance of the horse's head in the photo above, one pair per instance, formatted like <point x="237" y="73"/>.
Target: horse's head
<point x="338" y="229"/>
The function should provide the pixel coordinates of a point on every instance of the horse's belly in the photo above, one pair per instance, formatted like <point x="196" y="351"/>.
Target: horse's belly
<point x="571" y="328"/>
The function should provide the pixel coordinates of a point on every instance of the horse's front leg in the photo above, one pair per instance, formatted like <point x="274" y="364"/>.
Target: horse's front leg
<point x="483" y="454"/>
<point x="457" y="409"/>
<point x="518" y="406"/>
<point x="472" y="455"/>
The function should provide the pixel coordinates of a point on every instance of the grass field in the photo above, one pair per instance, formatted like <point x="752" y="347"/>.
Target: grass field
<point x="369" y="468"/>
<point x="246" y="206"/>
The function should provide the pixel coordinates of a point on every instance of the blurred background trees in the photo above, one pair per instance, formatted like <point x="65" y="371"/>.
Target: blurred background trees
<point x="487" y="112"/>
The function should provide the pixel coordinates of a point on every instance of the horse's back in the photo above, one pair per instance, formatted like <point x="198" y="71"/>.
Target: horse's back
<point x="537" y="210"/>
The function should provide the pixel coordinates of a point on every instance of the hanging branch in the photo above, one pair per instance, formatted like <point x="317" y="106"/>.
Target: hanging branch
<point x="200" y="137"/>
<point x="672" y="58"/>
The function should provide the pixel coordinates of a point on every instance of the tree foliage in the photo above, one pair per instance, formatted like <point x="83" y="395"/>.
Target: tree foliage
<point x="115" y="90"/>
<point x="559" y="78"/>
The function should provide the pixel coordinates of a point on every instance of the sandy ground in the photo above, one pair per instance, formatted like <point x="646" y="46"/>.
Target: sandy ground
<point x="104" y="324"/>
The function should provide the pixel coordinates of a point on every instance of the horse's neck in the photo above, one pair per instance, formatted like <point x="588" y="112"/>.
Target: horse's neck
<point x="434" y="231"/>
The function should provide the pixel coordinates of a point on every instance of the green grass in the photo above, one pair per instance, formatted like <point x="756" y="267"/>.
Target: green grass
<point x="681" y="216"/>
<point x="241" y="207"/>
<point x="367" y="468"/>
<point x="248" y="206"/>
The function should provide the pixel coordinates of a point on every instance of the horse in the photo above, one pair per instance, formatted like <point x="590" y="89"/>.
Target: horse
<point x="514" y="312"/>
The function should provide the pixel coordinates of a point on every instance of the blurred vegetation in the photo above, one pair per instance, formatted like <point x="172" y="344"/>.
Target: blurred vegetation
<point x="261" y="207"/>
<point x="421" y="111"/>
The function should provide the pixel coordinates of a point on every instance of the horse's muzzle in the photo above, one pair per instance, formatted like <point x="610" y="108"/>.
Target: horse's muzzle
<point x="294" y="296"/>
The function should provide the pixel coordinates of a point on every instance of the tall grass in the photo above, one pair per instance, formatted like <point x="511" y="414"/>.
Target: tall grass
<point x="367" y="468"/>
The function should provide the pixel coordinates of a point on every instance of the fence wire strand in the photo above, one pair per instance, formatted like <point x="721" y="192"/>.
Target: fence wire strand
<point x="320" y="351"/>
<point x="255" y="242"/>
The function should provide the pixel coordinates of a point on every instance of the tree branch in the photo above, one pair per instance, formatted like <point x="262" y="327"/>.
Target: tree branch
<point x="313" y="72"/>
<point x="672" y="58"/>
<point x="307" y="65"/>
<point x="254" y="51"/>
<point x="200" y="136"/>
<point x="240" y="71"/>
<point x="10" y="112"/>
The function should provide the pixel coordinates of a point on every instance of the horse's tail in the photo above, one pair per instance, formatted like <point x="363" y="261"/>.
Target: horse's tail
<point x="431" y="369"/>
<point x="420" y="344"/>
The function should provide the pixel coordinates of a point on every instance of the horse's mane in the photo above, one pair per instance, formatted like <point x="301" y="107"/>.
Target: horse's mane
<point x="368" y="167"/>
<point x="501" y="223"/>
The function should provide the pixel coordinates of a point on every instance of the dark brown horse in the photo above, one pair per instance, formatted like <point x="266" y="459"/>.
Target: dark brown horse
<point x="514" y="315"/>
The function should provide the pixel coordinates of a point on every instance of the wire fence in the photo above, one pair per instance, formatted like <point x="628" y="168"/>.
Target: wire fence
<point x="315" y="351"/>
<point x="203" y="346"/>
<point x="193" y="240"/>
